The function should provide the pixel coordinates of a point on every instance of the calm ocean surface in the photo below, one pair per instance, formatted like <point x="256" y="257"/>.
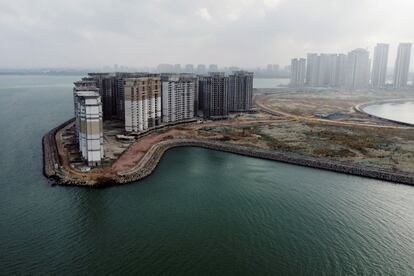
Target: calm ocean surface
<point x="201" y="213"/>
<point x="401" y="112"/>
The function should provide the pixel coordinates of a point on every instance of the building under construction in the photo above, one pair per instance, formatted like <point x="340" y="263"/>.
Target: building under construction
<point x="88" y="120"/>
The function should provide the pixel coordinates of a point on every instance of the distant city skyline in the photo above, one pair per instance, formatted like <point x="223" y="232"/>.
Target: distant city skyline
<point x="147" y="33"/>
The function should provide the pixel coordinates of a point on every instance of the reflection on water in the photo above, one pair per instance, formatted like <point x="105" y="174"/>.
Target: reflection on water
<point x="401" y="112"/>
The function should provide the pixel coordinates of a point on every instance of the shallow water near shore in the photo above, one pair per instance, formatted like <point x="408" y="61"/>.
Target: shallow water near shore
<point x="396" y="111"/>
<point x="201" y="212"/>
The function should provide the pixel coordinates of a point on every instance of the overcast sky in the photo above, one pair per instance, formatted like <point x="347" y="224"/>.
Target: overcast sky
<point x="247" y="33"/>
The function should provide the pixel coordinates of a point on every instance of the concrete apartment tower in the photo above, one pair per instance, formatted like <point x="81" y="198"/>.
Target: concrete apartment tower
<point x="298" y="72"/>
<point x="358" y="69"/>
<point x="312" y="70"/>
<point x="337" y="70"/>
<point x="178" y="96"/>
<point x="324" y="70"/>
<point x="106" y="82"/>
<point x="379" y="66"/>
<point x="88" y="120"/>
<point x="402" y="65"/>
<point x="142" y="103"/>
<point x="213" y="99"/>
<point x="241" y="91"/>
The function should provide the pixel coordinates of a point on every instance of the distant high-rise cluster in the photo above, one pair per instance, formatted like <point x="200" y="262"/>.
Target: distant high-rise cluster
<point x="352" y="71"/>
<point x="144" y="101"/>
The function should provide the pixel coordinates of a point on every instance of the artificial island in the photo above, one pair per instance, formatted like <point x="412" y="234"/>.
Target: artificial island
<point x="124" y="122"/>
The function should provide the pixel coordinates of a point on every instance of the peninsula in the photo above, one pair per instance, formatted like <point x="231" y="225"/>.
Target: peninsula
<point x="125" y="122"/>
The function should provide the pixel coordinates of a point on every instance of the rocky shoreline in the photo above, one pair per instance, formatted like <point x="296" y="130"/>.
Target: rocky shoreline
<point x="151" y="159"/>
<point x="51" y="162"/>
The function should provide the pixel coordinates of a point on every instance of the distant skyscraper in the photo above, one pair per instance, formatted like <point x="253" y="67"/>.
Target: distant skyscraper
<point x="165" y="68"/>
<point x="189" y="68"/>
<point x="379" y="66"/>
<point x="337" y="69"/>
<point x="213" y="68"/>
<point x="358" y="69"/>
<point x="298" y="72"/>
<point x="402" y="65"/>
<point x="177" y="68"/>
<point x="201" y="69"/>
<point x="324" y="70"/>
<point x="312" y="70"/>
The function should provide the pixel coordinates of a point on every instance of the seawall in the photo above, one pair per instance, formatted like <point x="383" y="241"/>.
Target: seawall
<point x="151" y="159"/>
<point x="51" y="163"/>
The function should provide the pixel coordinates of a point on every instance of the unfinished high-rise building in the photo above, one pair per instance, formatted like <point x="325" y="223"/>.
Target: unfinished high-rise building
<point x="88" y="120"/>
<point x="142" y="97"/>
<point x="178" y="97"/>
<point x="213" y="95"/>
<point x="241" y="91"/>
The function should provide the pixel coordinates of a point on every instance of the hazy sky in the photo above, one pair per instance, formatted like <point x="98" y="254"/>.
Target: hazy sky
<point x="90" y="33"/>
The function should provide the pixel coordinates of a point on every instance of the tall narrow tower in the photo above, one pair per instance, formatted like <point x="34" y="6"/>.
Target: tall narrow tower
<point x="298" y="72"/>
<point x="379" y="67"/>
<point x="402" y="65"/>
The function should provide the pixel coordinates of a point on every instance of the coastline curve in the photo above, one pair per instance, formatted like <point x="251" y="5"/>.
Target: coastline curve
<point x="147" y="165"/>
<point x="360" y="108"/>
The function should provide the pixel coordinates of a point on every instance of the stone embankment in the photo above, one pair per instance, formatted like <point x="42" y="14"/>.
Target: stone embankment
<point x="51" y="163"/>
<point x="147" y="165"/>
<point x="151" y="159"/>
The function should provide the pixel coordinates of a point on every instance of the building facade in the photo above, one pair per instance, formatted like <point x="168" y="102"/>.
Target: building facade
<point x="326" y="70"/>
<point x="240" y="91"/>
<point x="142" y="103"/>
<point x="88" y="120"/>
<point x="213" y="95"/>
<point x="358" y="69"/>
<point x="402" y="65"/>
<point x="312" y="70"/>
<point x="178" y="97"/>
<point x="379" y="66"/>
<point x="106" y="82"/>
<point x="298" y="73"/>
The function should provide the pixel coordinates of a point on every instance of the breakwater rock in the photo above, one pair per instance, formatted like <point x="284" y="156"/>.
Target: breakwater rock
<point x="151" y="159"/>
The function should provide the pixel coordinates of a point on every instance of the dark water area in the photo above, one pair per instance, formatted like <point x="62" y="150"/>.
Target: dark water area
<point x="201" y="213"/>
